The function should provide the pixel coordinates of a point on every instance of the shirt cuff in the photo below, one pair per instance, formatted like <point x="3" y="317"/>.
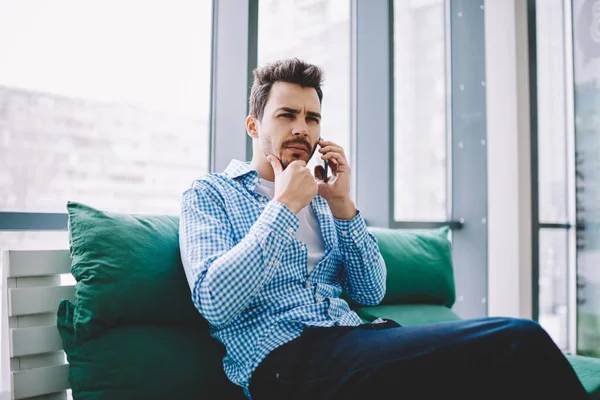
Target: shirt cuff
<point x="351" y="230"/>
<point x="277" y="217"/>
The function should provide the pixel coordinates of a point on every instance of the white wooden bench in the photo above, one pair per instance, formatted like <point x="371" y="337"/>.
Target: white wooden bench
<point x="33" y="364"/>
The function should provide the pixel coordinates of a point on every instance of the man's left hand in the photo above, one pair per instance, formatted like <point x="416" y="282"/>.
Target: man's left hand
<point x="337" y="188"/>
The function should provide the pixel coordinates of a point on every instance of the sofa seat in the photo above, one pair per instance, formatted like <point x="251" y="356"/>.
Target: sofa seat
<point x="408" y="314"/>
<point x="132" y="297"/>
<point x="588" y="370"/>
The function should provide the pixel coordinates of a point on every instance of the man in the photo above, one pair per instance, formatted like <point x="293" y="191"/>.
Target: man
<point x="268" y="248"/>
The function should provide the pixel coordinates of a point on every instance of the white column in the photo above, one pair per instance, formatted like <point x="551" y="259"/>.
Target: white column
<point x="509" y="159"/>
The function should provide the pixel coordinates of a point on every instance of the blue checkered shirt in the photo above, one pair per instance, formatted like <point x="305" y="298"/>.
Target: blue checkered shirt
<point x="248" y="272"/>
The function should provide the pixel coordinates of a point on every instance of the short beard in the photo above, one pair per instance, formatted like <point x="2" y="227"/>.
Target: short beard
<point x="266" y="150"/>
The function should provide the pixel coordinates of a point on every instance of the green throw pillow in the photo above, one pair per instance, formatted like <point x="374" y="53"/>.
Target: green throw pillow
<point x="419" y="266"/>
<point x="145" y="362"/>
<point x="128" y="270"/>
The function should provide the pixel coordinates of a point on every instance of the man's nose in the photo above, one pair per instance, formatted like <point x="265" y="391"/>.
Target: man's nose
<point x="300" y="130"/>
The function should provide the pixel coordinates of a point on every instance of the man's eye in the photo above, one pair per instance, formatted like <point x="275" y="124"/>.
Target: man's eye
<point x="314" y="119"/>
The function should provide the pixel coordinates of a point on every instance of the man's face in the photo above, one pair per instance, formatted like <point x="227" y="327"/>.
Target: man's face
<point x="290" y="127"/>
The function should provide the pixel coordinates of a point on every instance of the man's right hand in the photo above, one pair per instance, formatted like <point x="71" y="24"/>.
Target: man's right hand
<point x="295" y="187"/>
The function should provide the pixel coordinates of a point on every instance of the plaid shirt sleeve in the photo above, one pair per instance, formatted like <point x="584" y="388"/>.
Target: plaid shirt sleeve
<point x="364" y="274"/>
<point x="224" y="275"/>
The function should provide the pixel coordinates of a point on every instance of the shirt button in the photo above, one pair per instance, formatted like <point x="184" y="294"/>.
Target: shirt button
<point x="308" y="284"/>
<point x="277" y="263"/>
<point x="291" y="230"/>
<point x="318" y="298"/>
<point x="302" y="248"/>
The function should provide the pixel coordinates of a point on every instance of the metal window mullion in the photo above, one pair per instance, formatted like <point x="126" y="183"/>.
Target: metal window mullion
<point x="372" y="41"/>
<point x="231" y="59"/>
<point x="535" y="189"/>
<point x="353" y="99"/>
<point x="448" y="111"/>
<point x="571" y="200"/>
<point x="552" y="225"/>
<point x="453" y="225"/>
<point x="29" y="221"/>
<point x="469" y="158"/>
<point x="252" y="60"/>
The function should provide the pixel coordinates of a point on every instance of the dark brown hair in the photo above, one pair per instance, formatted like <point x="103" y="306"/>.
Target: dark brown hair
<point x="292" y="71"/>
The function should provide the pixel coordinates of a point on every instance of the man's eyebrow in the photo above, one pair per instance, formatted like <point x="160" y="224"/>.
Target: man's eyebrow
<point x="288" y="109"/>
<point x="313" y="114"/>
<point x="294" y="111"/>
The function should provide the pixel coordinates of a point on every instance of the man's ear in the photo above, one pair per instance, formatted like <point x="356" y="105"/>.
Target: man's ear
<point x="252" y="126"/>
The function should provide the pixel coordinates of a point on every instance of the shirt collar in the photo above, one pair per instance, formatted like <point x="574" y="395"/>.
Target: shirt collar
<point x="242" y="171"/>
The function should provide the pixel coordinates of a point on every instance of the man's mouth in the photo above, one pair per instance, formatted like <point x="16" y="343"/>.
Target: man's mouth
<point x="297" y="148"/>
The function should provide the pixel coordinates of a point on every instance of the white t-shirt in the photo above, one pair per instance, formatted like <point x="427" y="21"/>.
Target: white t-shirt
<point x="309" y="230"/>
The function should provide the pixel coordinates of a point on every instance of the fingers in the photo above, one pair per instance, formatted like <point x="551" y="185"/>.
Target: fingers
<point x="300" y="162"/>
<point x="339" y="159"/>
<point x="326" y="149"/>
<point x="334" y="169"/>
<point x="330" y="150"/>
<point x="324" y="143"/>
<point x="275" y="163"/>
<point x="331" y="147"/>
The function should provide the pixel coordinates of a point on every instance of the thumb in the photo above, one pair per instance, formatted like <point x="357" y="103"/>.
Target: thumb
<point x="276" y="164"/>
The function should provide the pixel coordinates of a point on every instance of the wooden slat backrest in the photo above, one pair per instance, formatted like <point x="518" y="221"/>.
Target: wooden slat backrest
<point x="35" y="364"/>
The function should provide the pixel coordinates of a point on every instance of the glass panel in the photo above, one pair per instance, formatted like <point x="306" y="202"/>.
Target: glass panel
<point x="553" y="284"/>
<point x="420" y="159"/>
<point x="105" y="103"/>
<point x="315" y="31"/>
<point x="552" y="161"/>
<point x="586" y="48"/>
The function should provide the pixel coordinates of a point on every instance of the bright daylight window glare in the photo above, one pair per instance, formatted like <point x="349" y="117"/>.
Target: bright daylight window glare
<point x="104" y="103"/>
<point x="420" y="99"/>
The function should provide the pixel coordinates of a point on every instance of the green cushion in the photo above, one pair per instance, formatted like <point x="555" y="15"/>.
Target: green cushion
<point x="419" y="266"/>
<point x="408" y="314"/>
<point x="588" y="370"/>
<point x="145" y="362"/>
<point x="128" y="270"/>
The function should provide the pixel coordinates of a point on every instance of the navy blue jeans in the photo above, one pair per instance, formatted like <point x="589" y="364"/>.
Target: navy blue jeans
<point x="485" y="358"/>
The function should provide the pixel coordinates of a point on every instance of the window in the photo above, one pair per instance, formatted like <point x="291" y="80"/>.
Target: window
<point x="551" y="108"/>
<point x="316" y="31"/>
<point x="558" y="186"/>
<point x="105" y="103"/>
<point x="553" y="261"/>
<point x="586" y="68"/>
<point x="420" y="127"/>
<point x="552" y="170"/>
